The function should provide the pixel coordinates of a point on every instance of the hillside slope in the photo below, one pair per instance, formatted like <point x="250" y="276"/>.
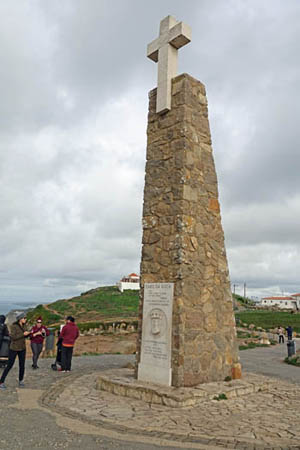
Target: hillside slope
<point x="103" y="303"/>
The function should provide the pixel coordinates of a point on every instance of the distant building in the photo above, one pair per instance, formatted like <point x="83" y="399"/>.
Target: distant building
<point x="296" y="297"/>
<point x="132" y="281"/>
<point x="290" y="302"/>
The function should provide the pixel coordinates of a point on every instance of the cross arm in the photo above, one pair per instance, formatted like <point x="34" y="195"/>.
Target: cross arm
<point x="178" y="36"/>
<point x="152" y="49"/>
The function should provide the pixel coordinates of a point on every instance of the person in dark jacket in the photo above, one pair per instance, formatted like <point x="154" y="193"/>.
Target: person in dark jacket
<point x="3" y="329"/>
<point x="289" y="331"/>
<point x="18" y="334"/>
<point x="68" y="334"/>
<point x="37" y="336"/>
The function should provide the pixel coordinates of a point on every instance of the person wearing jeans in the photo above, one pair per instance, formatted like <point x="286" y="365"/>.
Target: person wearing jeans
<point x="69" y="334"/>
<point x="18" y="334"/>
<point x="289" y="331"/>
<point x="37" y="336"/>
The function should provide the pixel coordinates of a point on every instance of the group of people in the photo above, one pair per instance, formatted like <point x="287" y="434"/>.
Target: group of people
<point x="280" y="332"/>
<point x="18" y="334"/>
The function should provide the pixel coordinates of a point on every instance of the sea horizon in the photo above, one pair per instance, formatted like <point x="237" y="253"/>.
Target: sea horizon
<point x="6" y="307"/>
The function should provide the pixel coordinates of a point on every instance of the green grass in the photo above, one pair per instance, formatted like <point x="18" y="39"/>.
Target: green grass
<point x="62" y="306"/>
<point x="293" y="361"/>
<point x="243" y="301"/>
<point x="49" y="317"/>
<point x="270" y="319"/>
<point x="243" y="334"/>
<point x="252" y="345"/>
<point x="107" y="301"/>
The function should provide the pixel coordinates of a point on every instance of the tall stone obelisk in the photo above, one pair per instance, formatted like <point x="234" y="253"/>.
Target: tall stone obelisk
<point x="187" y="330"/>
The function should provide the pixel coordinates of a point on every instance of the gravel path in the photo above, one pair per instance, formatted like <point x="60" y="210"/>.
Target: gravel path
<point x="25" y="424"/>
<point x="269" y="361"/>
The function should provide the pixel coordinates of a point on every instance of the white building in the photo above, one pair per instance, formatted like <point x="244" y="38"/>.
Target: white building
<point x="132" y="281"/>
<point x="296" y="297"/>
<point x="281" y="302"/>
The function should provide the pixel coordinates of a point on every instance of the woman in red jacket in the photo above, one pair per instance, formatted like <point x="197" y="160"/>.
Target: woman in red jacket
<point x="69" y="334"/>
<point x="37" y="335"/>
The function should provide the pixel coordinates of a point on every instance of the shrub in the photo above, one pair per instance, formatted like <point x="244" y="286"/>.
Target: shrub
<point x="221" y="397"/>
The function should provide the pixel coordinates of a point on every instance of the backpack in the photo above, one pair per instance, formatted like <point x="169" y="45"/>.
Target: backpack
<point x="4" y="340"/>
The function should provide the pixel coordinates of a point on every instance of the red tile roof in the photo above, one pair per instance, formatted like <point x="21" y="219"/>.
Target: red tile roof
<point x="277" y="298"/>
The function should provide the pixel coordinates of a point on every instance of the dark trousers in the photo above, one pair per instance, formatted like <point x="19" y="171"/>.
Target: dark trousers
<point x="66" y="358"/>
<point x="36" y="351"/>
<point x="281" y="339"/>
<point x="11" y="360"/>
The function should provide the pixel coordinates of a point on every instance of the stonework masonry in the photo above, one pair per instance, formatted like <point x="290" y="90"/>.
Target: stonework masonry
<point x="183" y="239"/>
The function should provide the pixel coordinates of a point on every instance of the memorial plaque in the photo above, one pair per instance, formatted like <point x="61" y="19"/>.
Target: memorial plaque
<point x="155" y="362"/>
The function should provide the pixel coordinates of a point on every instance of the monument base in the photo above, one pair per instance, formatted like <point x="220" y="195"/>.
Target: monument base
<point x="122" y="382"/>
<point x="159" y="375"/>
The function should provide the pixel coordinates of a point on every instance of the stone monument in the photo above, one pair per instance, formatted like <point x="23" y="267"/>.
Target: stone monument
<point x="187" y="330"/>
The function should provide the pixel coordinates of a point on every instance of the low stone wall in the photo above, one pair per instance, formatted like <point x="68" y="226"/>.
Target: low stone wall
<point x="117" y="327"/>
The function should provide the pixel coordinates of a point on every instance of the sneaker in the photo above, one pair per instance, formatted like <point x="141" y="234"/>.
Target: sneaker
<point x="2" y="386"/>
<point x="21" y="384"/>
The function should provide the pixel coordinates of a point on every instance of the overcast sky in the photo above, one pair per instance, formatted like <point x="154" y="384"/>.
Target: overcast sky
<point x="74" y="82"/>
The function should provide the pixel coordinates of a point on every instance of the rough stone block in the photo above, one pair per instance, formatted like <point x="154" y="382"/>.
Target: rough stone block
<point x="183" y="241"/>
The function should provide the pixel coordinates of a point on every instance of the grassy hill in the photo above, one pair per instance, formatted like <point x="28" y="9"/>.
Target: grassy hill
<point x="242" y="302"/>
<point x="103" y="303"/>
<point x="270" y="319"/>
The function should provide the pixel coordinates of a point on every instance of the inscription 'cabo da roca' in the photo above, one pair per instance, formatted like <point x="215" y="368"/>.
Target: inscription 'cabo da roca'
<point x="183" y="241"/>
<point x="155" y="362"/>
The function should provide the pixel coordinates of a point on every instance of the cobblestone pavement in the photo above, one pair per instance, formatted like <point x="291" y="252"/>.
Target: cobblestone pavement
<point x="260" y="421"/>
<point x="58" y="410"/>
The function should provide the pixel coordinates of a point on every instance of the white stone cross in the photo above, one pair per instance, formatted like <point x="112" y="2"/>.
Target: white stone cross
<point x="164" y="50"/>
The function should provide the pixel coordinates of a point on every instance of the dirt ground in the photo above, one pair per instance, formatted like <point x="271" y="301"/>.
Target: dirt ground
<point x="120" y="343"/>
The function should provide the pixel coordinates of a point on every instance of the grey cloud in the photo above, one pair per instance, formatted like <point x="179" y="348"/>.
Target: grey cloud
<point x="74" y="82"/>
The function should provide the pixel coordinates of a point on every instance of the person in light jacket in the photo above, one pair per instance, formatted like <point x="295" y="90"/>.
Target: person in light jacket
<point x="68" y="334"/>
<point x="280" y="332"/>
